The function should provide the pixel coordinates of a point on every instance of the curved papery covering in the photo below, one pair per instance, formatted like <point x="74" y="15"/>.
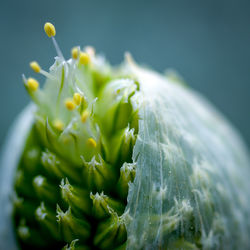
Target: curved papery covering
<point x="192" y="186"/>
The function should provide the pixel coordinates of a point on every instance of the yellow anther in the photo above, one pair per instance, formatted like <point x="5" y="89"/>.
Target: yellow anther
<point x="77" y="98"/>
<point x="32" y="84"/>
<point x="84" y="116"/>
<point x="58" y="124"/>
<point x="74" y="53"/>
<point x="84" y="58"/>
<point x="92" y="143"/>
<point x="35" y="66"/>
<point x="70" y="105"/>
<point x="49" y="29"/>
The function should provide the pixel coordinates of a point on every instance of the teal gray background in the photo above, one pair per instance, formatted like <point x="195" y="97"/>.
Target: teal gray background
<point x="207" y="42"/>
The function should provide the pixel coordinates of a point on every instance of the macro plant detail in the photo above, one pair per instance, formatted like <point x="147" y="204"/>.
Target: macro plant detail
<point x="68" y="182"/>
<point x="125" y="158"/>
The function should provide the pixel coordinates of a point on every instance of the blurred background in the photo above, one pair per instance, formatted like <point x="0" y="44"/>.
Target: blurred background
<point x="207" y="42"/>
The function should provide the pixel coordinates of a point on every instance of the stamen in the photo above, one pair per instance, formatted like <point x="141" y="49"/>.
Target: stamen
<point x="50" y="30"/>
<point x="92" y="143"/>
<point x="32" y="84"/>
<point x="37" y="69"/>
<point x="35" y="66"/>
<point x="75" y="52"/>
<point x="70" y="105"/>
<point x="58" y="51"/>
<point x="47" y="75"/>
<point x="84" y="58"/>
<point x="84" y="116"/>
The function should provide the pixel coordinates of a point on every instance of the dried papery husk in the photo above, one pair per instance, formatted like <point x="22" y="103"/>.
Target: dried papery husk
<point x="192" y="180"/>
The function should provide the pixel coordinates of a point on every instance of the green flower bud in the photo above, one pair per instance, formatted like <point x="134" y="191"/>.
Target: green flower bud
<point x="47" y="218"/>
<point x="29" y="235"/>
<point x="77" y="198"/>
<point x="128" y="142"/>
<point x="45" y="191"/>
<point x="111" y="233"/>
<point x="99" y="175"/>
<point x="122" y="158"/>
<point x="71" y="227"/>
<point x="57" y="168"/>
<point x="104" y="206"/>
<point x="127" y="175"/>
<point x="32" y="159"/>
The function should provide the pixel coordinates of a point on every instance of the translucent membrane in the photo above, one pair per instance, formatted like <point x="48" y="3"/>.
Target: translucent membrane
<point x="192" y="184"/>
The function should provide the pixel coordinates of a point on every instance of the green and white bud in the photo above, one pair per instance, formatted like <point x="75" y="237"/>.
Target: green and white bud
<point x="71" y="227"/>
<point x="58" y="169"/>
<point x="30" y="236"/>
<point x="104" y="206"/>
<point x="44" y="190"/>
<point x="111" y="233"/>
<point x="121" y="158"/>
<point x="77" y="198"/>
<point x="47" y="219"/>
<point x="98" y="174"/>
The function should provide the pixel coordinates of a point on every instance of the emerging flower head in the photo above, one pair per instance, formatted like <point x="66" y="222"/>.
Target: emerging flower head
<point x="85" y="128"/>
